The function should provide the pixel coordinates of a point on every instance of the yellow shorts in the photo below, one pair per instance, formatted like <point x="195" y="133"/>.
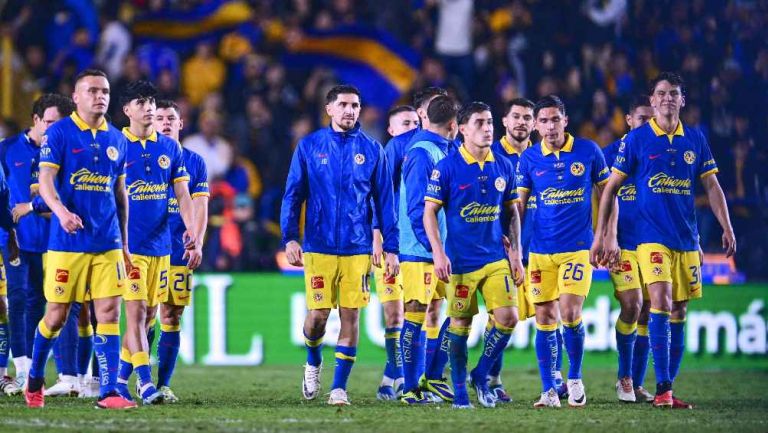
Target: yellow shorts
<point x="495" y="283"/>
<point x="627" y="276"/>
<point x="179" y="291"/>
<point x="680" y="268"/>
<point x="147" y="279"/>
<point x="525" y="307"/>
<point x="79" y="277"/>
<point x="332" y="281"/>
<point x="549" y="275"/>
<point x="420" y="283"/>
<point x="3" y="280"/>
<point x="387" y="289"/>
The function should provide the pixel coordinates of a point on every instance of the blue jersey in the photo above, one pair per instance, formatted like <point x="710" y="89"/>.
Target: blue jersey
<point x="665" y="168"/>
<point x="473" y="195"/>
<point x="395" y="150"/>
<point x="153" y="166"/>
<point x="627" y="230"/>
<point x="89" y="162"/>
<point x="503" y="148"/>
<point x="562" y="183"/>
<point x="198" y="187"/>
<point x="20" y="156"/>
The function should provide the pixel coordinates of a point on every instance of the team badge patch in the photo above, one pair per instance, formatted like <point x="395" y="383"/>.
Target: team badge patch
<point x="62" y="276"/>
<point x="577" y="169"/>
<point x="317" y="282"/>
<point x="359" y="159"/>
<point x="500" y="184"/>
<point x="657" y="257"/>
<point x="318" y="297"/>
<point x="134" y="288"/>
<point x="535" y="277"/>
<point x="622" y="146"/>
<point x="388" y="290"/>
<point x="628" y="278"/>
<point x="689" y="157"/>
<point x="536" y="291"/>
<point x="462" y="291"/>
<point x="164" y="162"/>
<point x="435" y="175"/>
<point x="657" y="270"/>
<point x="112" y="153"/>
<point x="59" y="290"/>
<point x="458" y="305"/>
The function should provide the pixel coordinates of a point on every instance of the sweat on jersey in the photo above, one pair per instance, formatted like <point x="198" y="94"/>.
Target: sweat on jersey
<point x="198" y="187"/>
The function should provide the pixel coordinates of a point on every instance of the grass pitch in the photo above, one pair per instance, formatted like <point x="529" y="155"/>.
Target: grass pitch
<point x="268" y="399"/>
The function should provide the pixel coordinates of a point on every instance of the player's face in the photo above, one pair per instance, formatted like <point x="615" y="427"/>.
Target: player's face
<point x="551" y="123"/>
<point x="667" y="99"/>
<point x="168" y="122"/>
<point x="478" y="131"/>
<point x="519" y="122"/>
<point x="50" y="116"/>
<point x="639" y="117"/>
<point x="92" y="95"/>
<point x="141" y="111"/>
<point x="403" y="122"/>
<point x="344" y="111"/>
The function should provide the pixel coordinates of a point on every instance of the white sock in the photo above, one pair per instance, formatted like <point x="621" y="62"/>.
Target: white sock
<point x="387" y="381"/>
<point x="398" y="383"/>
<point x="558" y="376"/>
<point x="21" y="365"/>
<point x="494" y="380"/>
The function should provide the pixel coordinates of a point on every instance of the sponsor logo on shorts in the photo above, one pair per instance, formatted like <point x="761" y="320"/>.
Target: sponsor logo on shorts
<point x="535" y="277"/>
<point x="625" y="266"/>
<point x="427" y="278"/>
<point x="389" y="279"/>
<point x="62" y="276"/>
<point x="317" y="282"/>
<point x="388" y="290"/>
<point x="462" y="291"/>
<point x="135" y="274"/>
<point x="657" y="257"/>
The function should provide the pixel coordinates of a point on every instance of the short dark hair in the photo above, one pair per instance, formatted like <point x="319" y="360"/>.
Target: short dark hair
<point x="400" y="109"/>
<point x="139" y="89"/>
<point x="638" y="101"/>
<point x="167" y="103"/>
<point x="442" y="110"/>
<point x="672" y="78"/>
<point x="91" y="72"/>
<point x="520" y="102"/>
<point x="469" y="109"/>
<point x="427" y="93"/>
<point x="549" y="101"/>
<point x="340" y="89"/>
<point x="64" y="104"/>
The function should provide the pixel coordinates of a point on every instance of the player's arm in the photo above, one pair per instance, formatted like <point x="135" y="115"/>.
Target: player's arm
<point x="441" y="261"/>
<point x="181" y="190"/>
<point x="605" y="242"/>
<point x="523" y="194"/>
<point x="121" y="200"/>
<point x="384" y="209"/>
<point x="198" y="188"/>
<point x="720" y="209"/>
<point x="6" y="219"/>
<point x="296" y="190"/>
<point x="515" y="253"/>
<point x="68" y="220"/>
<point x="417" y="172"/>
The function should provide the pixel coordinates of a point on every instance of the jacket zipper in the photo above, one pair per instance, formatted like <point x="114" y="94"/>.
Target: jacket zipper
<point x="339" y="193"/>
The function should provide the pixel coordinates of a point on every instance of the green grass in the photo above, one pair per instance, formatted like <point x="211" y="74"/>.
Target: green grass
<point x="268" y="399"/>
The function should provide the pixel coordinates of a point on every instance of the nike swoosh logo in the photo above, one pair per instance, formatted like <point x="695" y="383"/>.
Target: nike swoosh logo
<point x="18" y="164"/>
<point x="78" y="150"/>
<point x="654" y="156"/>
<point x="130" y="163"/>
<point x="465" y="186"/>
<point x="540" y="172"/>
<point x="579" y="400"/>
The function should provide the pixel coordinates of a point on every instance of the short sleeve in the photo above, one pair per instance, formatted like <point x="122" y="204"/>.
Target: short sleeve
<point x="599" y="168"/>
<point x="707" y="165"/>
<point x="198" y="184"/>
<point x="179" y="171"/>
<point x="436" y="188"/>
<point x="123" y="156"/>
<point x="510" y="189"/>
<point x="523" y="176"/>
<point x="51" y="150"/>
<point x="626" y="157"/>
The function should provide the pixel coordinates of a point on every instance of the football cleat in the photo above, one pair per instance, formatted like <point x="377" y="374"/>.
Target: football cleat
<point x="562" y="389"/>
<point x="115" y="401"/>
<point x="310" y="385"/>
<point x="680" y="404"/>
<point x="576" y="395"/>
<point x="122" y="391"/>
<point x="90" y="387"/>
<point x="548" y="399"/>
<point x="153" y="398"/>
<point x="484" y="395"/>
<point x="8" y="386"/>
<point x="35" y="399"/>
<point x="21" y="383"/>
<point x="642" y="395"/>
<point x="386" y="393"/>
<point x="338" y="397"/>
<point x="414" y="397"/>
<point x="168" y="395"/>
<point x="438" y="387"/>
<point x="625" y="391"/>
<point x="663" y="400"/>
<point x="399" y="387"/>
<point x="500" y="393"/>
<point x="462" y="406"/>
<point x="66" y="386"/>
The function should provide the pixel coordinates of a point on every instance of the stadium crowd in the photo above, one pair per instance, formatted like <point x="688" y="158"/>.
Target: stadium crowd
<point x="245" y="110"/>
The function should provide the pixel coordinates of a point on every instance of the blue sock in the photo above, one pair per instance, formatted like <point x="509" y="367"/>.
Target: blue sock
<point x="626" y="334"/>
<point x="140" y="361"/>
<point x="391" y="337"/>
<point x="559" y="360"/>
<point x="151" y="336"/>
<point x="345" y="359"/>
<point x="436" y="368"/>
<point x="84" y="348"/>
<point x="65" y="349"/>
<point x="640" y="356"/>
<point x="431" y="346"/>
<point x="412" y="349"/>
<point x="546" y="354"/>
<point x="495" y="370"/>
<point x="16" y="321"/>
<point x="106" y="346"/>
<point x="44" y="339"/>
<point x="423" y="342"/>
<point x="314" y="350"/>
<point x="125" y="366"/>
<point x="658" y="334"/>
<point x="458" y="357"/>
<point x="167" y="353"/>
<point x="676" y="347"/>
<point x="34" y="312"/>
<point x="3" y="342"/>
<point x="495" y="343"/>
<point x="573" y="339"/>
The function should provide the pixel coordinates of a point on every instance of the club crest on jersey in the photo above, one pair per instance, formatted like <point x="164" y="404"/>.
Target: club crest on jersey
<point x="164" y="162"/>
<point x="535" y="277"/>
<point x="657" y="257"/>
<point x="62" y="275"/>
<point x="435" y="175"/>
<point x="689" y="157"/>
<point x="462" y="291"/>
<point x="577" y="169"/>
<point x="359" y="159"/>
<point x="112" y="153"/>
<point x="500" y="184"/>
<point x="317" y="282"/>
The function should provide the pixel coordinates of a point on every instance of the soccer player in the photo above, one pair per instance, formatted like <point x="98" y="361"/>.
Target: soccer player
<point x="402" y="119"/>
<point x="179" y="293"/>
<point x="154" y="165"/>
<point x="7" y="384"/>
<point x="560" y="172"/>
<point x="20" y="155"/>
<point x="631" y="334"/>
<point x="420" y="286"/>
<point x="82" y="180"/>
<point x="665" y="158"/>
<point x="336" y="171"/>
<point x="474" y="188"/>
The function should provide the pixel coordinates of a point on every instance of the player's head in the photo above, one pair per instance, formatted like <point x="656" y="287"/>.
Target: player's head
<point x="402" y="118"/>
<point x="442" y="113"/>
<point x="476" y="124"/>
<point x="91" y="94"/>
<point x="518" y="120"/>
<point x="667" y="94"/>
<point x="551" y="119"/>
<point x="640" y="111"/>
<point x="49" y="108"/>
<point x="421" y="100"/>
<point x="342" y="104"/>
<point x="168" y="119"/>
<point x="138" y="101"/>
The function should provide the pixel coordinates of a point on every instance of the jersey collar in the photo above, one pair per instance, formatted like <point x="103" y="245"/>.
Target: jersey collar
<point x="84" y="126"/>
<point x="469" y="159"/>
<point x="567" y="147"/>
<point x="132" y="138"/>
<point x="659" y="132"/>
<point x="509" y="148"/>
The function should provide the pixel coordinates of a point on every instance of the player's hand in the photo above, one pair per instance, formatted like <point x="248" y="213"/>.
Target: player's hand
<point x="729" y="243"/>
<point x="596" y="252"/>
<point x="378" y="250"/>
<point x="611" y="252"/>
<point x="294" y="254"/>
<point x="13" y="248"/>
<point x="518" y="271"/>
<point x="70" y="222"/>
<point x="20" y="210"/>
<point x="127" y="259"/>
<point x="392" y="265"/>
<point x="190" y="241"/>
<point x="194" y="257"/>
<point x="442" y="267"/>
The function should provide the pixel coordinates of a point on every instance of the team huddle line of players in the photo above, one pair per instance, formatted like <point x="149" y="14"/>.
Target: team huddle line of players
<point x="97" y="218"/>
<point x="441" y="219"/>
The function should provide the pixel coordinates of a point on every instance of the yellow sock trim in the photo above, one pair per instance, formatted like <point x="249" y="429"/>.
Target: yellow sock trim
<point x="432" y="332"/>
<point x="152" y="322"/>
<point x="655" y="311"/>
<point x="504" y="330"/>
<point x="85" y="331"/>
<point x="389" y="335"/>
<point x="125" y="355"/>
<point x="415" y="317"/>
<point x="140" y="358"/>
<point x="542" y="327"/>
<point x="459" y="330"/>
<point x="313" y="343"/>
<point x="489" y="325"/>
<point x="108" y="329"/>
<point x="340" y="355"/>
<point x="169" y="328"/>
<point x="642" y="330"/>
<point x="45" y="332"/>
<point x="676" y="320"/>
<point x="573" y="324"/>
<point x="624" y="327"/>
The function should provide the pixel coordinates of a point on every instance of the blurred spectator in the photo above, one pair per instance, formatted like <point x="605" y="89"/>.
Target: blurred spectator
<point x="203" y="73"/>
<point x="215" y="150"/>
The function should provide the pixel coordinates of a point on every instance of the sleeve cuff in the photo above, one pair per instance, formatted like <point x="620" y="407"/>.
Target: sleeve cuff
<point x="201" y="194"/>
<point x="617" y="171"/>
<point x="522" y="188"/>
<point x="433" y="200"/>
<point x="181" y="179"/>
<point x="709" y="173"/>
<point x="48" y="164"/>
